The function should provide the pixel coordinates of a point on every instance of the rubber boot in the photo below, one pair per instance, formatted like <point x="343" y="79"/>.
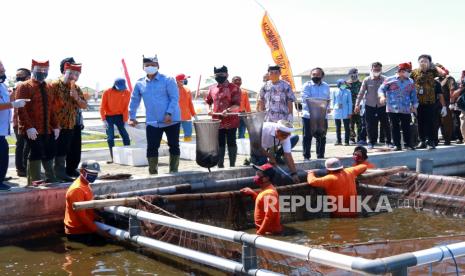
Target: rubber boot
<point x="221" y="152"/>
<point x="153" y="165"/>
<point x="187" y="139"/>
<point x="33" y="171"/>
<point x="50" y="176"/>
<point x="232" y="154"/>
<point x="111" y="156"/>
<point x="174" y="163"/>
<point x="60" y="169"/>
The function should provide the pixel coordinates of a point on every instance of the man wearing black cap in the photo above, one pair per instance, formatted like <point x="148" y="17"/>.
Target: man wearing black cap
<point x="276" y="97"/>
<point x="266" y="214"/>
<point x="225" y="97"/>
<point x="161" y="99"/>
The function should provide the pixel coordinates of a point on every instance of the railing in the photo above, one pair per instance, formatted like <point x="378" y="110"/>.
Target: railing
<point x="397" y="265"/>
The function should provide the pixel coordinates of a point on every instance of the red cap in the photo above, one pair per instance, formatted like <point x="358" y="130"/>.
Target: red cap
<point x="40" y="63"/>
<point x="181" y="77"/>
<point x="73" y="67"/>
<point x="405" y="66"/>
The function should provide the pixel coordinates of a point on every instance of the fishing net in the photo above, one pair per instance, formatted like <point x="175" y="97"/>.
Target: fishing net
<point x="254" y="124"/>
<point x="234" y="211"/>
<point x="318" y="109"/>
<point x="207" y="142"/>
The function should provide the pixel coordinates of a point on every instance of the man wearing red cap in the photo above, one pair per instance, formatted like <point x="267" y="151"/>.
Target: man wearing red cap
<point x="266" y="214"/>
<point x="68" y="98"/>
<point x="399" y="95"/>
<point x="427" y="94"/>
<point x="38" y="121"/>
<point x="186" y="106"/>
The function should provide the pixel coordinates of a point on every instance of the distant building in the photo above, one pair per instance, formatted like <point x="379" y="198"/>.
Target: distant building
<point x="332" y="74"/>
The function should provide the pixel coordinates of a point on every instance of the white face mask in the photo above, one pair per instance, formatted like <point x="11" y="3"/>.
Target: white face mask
<point x="376" y="74"/>
<point x="150" y="70"/>
<point x="407" y="75"/>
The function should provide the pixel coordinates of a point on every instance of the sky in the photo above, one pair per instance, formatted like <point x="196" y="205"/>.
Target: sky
<point x="192" y="37"/>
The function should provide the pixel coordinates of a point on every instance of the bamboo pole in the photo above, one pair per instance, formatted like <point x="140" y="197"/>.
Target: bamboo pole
<point x="382" y="172"/>
<point x="93" y="204"/>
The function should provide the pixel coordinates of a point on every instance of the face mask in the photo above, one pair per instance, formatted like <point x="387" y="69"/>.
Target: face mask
<point x="151" y="70"/>
<point x="20" y="79"/>
<point x="39" y="76"/>
<point x="407" y="75"/>
<point x="2" y="78"/>
<point x="354" y="77"/>
<point x="274" y="78"/>
<point x="184" y="82"/>
<point x="221" y="79"/>
<point x="257" y="180"/>
<point x="91" y="177"/>
<point x="71" y="76"/>
<point x="357" y="158"/>
<point x="343" y="86"/>
<point x="316" y="79"/>
<point x="376" y="74"/>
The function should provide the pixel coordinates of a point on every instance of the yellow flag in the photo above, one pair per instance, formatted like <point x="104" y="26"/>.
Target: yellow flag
<point x="278" y="53"/>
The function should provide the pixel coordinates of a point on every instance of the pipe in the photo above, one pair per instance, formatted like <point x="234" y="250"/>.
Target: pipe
<point x="181" y="188"/>
<point x="92" y="204"/>
<point x="321" y="256"/>
<point x="189" y="254"/>
<point x="424" y="166"/>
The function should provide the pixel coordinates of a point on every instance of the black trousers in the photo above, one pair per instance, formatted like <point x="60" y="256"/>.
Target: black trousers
<point x="4" y="158"/>
<point x="400" y="121"/>
<point x="21" y="152"/>
<point x="426" y="122"/>
<point x="355" y="130"/>
<point x="375" y="115"/>
<point x="154" y="135"/>
<point x="346" y="130"/>
<point x="73" y="157"/>
<point x="227" y="136"/>
<point x="457" y="134"/>
<point x="42" y="148"/>
<point x="63" y="143"/>
<point x="307" y="140"/>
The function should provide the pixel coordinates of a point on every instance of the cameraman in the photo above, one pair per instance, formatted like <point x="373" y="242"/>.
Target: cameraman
<point x="459" y="100"/>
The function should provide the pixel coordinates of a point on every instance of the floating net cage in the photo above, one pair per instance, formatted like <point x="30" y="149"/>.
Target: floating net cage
<point x="232" y="210"/>
<point x="207" y="142"/>
<point x="318" y="108"/>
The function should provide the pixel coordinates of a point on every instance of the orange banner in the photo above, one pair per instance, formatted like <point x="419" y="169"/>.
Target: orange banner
<point x="278" y="53"/>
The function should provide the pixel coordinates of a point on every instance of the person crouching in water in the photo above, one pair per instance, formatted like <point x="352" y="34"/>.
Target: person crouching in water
<point x="266" y="214"/>
<point x="339" y="183"/>
<point x="80" y="225"/>
<point x="360" y="157"/>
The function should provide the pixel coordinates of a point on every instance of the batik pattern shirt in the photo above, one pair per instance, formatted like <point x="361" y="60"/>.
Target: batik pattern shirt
<point x="354" y="88"/>
<point x="424" y="84"/>
<point x="276" y="98"/>
<point x="400" y="94"/>
<point x="65" y="106"/>
<point x="222" y="96"/>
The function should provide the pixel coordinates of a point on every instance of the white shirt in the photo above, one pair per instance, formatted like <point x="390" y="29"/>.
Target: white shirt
<point x="5" y="115"/>
<point x="269" y="140"/>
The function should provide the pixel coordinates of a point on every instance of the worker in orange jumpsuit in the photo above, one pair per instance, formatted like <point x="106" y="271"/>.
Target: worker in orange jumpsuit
<point x="266" y="214"/>
<point x="244" y="107"/>
<point x="186" y="106"/>
<point x="80" y="225"/>
<point x="340" y="184"/>
<point x="360" y="156"/>
<point x="114" y="111"/>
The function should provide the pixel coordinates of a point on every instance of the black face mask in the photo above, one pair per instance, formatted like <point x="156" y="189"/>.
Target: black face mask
<point x="2" y="78"/>
<point x="221" y="79"/>
<point x="40" y="76"/>
<point x="316" y="79"/>
<point x="18" y="79"/>
<point x="184" y="82"/>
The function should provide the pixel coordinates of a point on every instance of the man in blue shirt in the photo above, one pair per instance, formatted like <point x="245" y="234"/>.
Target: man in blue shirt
<point x="5" y="114"/>
<point x="161" y="100"/>
<point x="399" y="95"/>
<point x="314" y="89"/>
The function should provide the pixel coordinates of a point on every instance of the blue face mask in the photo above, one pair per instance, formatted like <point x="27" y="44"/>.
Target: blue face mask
<point x="343" y="86"/>
<point x="91" y="177"/>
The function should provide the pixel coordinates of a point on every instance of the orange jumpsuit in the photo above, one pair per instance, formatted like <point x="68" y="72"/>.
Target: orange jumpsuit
<point x="185" y="103"/>
<point x="245" y="104"/>
<point x="266" y="215"/>
<point x="368" y="164"/>
<point x="82" y="221"/>
<point x="115" y="102"/>
<point x="341" y="183"/>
